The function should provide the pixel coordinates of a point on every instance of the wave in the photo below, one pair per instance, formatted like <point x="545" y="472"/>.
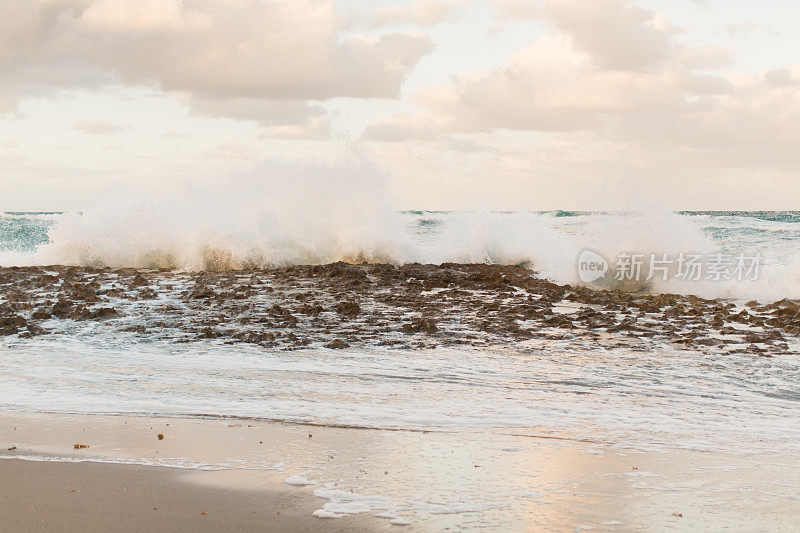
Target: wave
<point x="310" y="214"/>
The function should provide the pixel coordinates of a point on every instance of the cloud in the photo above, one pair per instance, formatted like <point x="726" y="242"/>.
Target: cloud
<point x="782" y="77"/>
<point x="612" y="33"/>
<point x="749" y="29"/>
<point x="602" y="58"/>
<point x="315" y="129"/>
<point x="516" y="10"/>
<point x="97" y="127"/>
<point x="401" y="128"/>
<point x="222" y="56"/>
<point x="612" y="81"/>
<point x="420" y="13"/>
<point x="552" y="86"/>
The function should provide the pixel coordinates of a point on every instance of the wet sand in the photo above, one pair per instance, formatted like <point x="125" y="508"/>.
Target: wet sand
<point x="236" y="473"/>
<point x="84" y="497"/>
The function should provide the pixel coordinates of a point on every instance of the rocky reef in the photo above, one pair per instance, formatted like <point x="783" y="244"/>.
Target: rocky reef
<point x="412" y="306"/>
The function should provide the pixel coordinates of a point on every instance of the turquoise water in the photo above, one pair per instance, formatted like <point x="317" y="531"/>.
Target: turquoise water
<point x="26" y="231"/>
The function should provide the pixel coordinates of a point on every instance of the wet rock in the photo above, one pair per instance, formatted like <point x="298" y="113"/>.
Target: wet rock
<point x="103" y="312"/>
<point x="79" y="313"/>
<point x="708" y="341"/>
<point x="309" y="309"/>
<point x="61" y="309"/>
<point x="41" y="314"/>
<point x="208" y="333"/>
<point x="255" y="337"/>
<point x="627" y="324"/>
<point x="11" y="324"/>
<point x="337" y="344"/>
<point x="85" y="293"/>
<point x="420" y="325"/>
<point x="147" y="294"/>
<point x="202" y="293"/>
<point x="33" y="330"/>
<point x="139" y="281"/>
<point x="348" y="309"/>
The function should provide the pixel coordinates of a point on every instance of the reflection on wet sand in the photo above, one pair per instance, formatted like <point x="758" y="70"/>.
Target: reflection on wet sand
<point x="436" y="480"/>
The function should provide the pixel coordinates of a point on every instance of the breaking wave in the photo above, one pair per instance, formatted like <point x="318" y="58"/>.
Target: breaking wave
<point x="312" y="215"/>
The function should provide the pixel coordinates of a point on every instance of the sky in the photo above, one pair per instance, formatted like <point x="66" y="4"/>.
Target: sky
<point x="455" y="104"/>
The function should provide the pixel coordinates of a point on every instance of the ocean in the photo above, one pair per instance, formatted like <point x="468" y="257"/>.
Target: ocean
<point x="549" y="242"/>
<point x="632" y="390"/>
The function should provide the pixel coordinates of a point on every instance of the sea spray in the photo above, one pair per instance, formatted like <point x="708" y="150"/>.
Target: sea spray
<point x="312" y="214"/>
<point x="287" y="215"/>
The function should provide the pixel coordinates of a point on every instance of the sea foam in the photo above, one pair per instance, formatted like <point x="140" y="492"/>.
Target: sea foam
<point x="308" y="214"/>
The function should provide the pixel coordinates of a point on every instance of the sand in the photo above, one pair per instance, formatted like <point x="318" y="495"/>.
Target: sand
<point x="59" y="496"/>
<point x="236" y="470"/>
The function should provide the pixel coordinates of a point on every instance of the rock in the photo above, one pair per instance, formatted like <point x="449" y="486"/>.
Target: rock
<point x="420" y="325"/>
<point x="337" y="344"/>
<point x="10" y="325"/>
<point x="348" y="308"/>
<point x="85" y="293"/>
<point x="103" y="312"/>
<point x="202" y="293"/>
<point x="80" y="313"/>
<point x="708" y="341"/>
<point x="208" y="333"/>
<point x="139" y="281"/>
<point x="61" y="309"/>
<point x="41" y="314"/>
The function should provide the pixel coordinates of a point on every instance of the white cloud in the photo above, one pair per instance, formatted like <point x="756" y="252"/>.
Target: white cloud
<point x="222" y="55"/>
<point x="552" y="86"/>
<point x="97" y="127"/>
<point x="318" y="128"/>
<point x="420" y="12"/>
<point x="610" y="90"/>
<point x="612" y="33"/>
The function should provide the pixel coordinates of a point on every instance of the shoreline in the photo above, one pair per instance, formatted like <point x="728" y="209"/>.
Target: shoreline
<point x="243" y="474"/>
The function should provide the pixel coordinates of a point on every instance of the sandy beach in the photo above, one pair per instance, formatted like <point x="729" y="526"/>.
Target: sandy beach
<point x="260" y="476"/>
<point x="91" y="496"/>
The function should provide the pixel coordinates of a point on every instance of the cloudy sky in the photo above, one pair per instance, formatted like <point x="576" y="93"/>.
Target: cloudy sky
<point x="459" y="104"/>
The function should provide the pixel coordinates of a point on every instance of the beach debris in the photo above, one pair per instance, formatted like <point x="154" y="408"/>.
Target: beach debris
<point x="11" y="449"/>
<point x="309" y="435"/>
<point x="160" y="436"/>
<point x="79" y="446"/>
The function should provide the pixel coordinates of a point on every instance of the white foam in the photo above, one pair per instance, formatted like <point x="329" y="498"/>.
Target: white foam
<point x="293" y="214"/>
<point x="297" y="481"/>
<point x="345" y="502"/>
